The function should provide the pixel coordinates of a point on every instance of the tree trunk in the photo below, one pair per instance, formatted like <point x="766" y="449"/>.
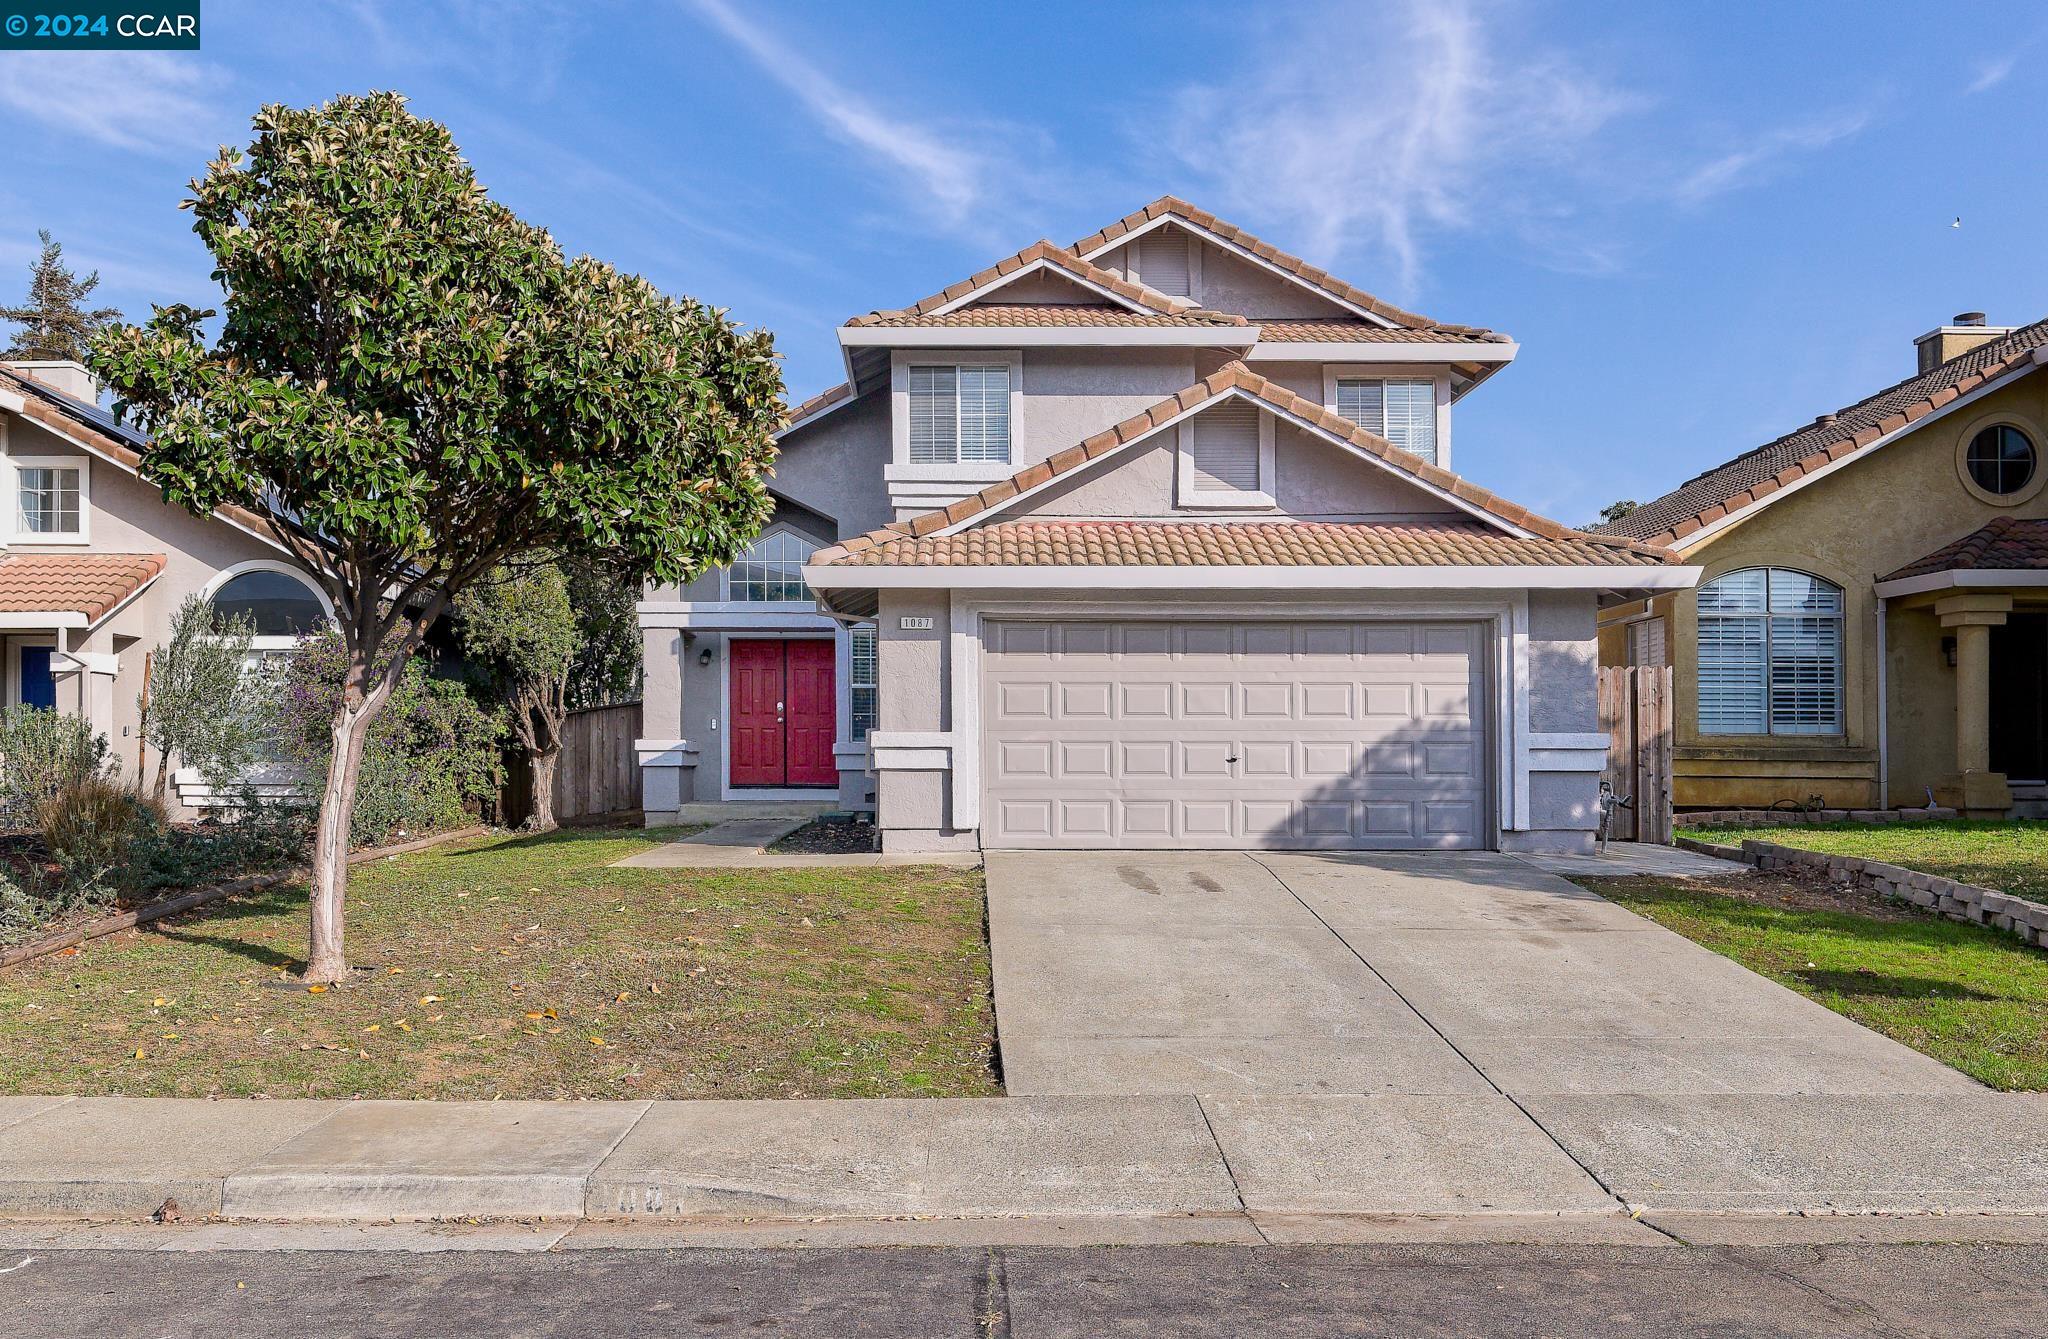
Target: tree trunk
<point x="542" y="763"/>
<point x="325" y="960"/>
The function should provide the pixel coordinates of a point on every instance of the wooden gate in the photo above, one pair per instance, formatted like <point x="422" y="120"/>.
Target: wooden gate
<point x="598" y="773"/>
<point x="1635" y="713"/>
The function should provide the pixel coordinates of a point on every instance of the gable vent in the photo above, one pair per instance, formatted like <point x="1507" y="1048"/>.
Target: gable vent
<point x="1163" y="262"/>
<point x="1226" y="448"/>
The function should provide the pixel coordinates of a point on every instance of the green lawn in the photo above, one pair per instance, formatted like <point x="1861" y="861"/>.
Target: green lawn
<point x="1972" y="997"/>
<point x="524" y="967"/>
<point x="2010" y="856"/>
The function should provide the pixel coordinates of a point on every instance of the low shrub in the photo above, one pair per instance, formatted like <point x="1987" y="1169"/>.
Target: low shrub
<point x="20" y="914"/>
<point x="41" y="753"/>
<point x="432" y="760"/>
<point x="91" y="829"/>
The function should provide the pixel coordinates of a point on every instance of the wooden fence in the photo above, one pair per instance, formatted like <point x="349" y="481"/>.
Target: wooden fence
<point x="1635" y="713"/>
<point x="597" y="775"/>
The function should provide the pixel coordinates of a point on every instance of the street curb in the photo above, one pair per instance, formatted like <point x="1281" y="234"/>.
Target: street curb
<point x="199" y="897"/>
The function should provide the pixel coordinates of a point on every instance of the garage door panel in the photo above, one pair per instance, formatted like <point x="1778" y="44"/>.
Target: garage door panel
<point x="1305" y="734"/>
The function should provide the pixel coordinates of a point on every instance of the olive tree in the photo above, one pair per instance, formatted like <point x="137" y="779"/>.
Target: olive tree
<point x="411" y="386"/>
<point x="202" y="702"/>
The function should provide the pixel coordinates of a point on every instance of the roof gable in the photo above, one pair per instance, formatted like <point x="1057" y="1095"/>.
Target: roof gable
<point x="1102" y="285"/>
<point x="1757" y="477"/>
<point x="1234" y="379"/>
<point x="1171" y="209"/>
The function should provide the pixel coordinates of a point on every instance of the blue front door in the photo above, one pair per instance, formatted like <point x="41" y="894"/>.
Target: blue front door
<point x="38" y="685"/>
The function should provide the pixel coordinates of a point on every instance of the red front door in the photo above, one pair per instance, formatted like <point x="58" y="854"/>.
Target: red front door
<point x="783" y="703"/>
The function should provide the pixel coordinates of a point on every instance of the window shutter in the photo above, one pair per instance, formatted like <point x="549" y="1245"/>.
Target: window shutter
<point x="1364" y="403"/>
<point x="1163" y="262"/>
<point x="1226" y="449"/>
<point x="1411" y="417"/>
<point x="934" y="416"/>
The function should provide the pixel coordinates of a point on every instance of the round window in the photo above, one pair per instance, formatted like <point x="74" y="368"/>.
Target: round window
<point x="2000" y="460"/>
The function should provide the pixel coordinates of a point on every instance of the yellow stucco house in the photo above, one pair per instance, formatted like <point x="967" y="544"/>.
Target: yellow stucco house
<point x="1871" y="622"/>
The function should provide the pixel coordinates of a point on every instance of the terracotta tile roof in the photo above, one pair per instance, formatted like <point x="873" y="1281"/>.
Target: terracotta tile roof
<point x="817" y="404"/>
<point x="1056" y="314"/>
<point x="1757" y="474"/>
<point x="1446" y="542"/>
<point x="1231" y="377"/>
<point x="2008" y="544"/>
<point x="1059" y="258"/>
<point x="61" y="413"/>
<point x="79" y="583"/>
<point x="1358" y="330"/>
<point x="1266" y="251"/>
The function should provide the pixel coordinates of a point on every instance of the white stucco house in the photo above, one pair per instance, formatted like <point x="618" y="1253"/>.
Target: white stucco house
<point x="1154" y="540"/>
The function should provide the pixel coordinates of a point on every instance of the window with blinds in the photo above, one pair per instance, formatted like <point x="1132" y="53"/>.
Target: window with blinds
<point x="1646" y="642"/>
<point x="1402" y="410"/>
<point x="1770" y="654"/>
<point x="1225" y="449"/>
<point x="959" y="413"/>
<point x="863" y="683"/>
<point x="1163" y="262"/>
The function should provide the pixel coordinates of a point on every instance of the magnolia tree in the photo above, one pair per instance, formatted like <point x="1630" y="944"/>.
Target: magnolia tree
<point x="410" y="386"/>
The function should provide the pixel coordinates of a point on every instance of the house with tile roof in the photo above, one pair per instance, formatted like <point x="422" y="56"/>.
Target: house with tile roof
<point x="1153" y="540"/>
<point x="93" y="563"/>
<point x="1871" y="625"/>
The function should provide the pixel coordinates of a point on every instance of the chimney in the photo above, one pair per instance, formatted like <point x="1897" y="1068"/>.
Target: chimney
<point x="1963" y="333"/>
<point x="60" y="374"/>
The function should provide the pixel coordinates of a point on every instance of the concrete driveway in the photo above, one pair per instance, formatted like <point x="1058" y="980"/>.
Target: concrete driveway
<point x="1348" y="974"/>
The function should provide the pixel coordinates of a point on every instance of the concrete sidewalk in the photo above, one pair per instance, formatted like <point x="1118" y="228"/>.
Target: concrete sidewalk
<point x="1035" y="1169"/>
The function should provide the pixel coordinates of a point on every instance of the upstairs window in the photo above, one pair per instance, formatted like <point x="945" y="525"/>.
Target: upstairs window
<point x="1770" y="654"/>
<point x="772" y="569"/>
<point x="1402" y="410"/>
<point x="1226" y="449"/>
<point x="49" y="502"/>
<point x="959" y="413"/>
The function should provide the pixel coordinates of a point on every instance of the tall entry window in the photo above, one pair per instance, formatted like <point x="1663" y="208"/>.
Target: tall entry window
<point x="1770" y="654"/>
<point x="772" y="569"/>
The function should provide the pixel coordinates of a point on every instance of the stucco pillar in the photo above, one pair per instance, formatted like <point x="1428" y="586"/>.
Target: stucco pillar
<point x="1977" y="791"/>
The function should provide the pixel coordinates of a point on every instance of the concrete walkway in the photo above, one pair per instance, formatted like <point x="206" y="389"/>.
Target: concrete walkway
<point x="1634" y="859"/>
<point x="743" y="843"/>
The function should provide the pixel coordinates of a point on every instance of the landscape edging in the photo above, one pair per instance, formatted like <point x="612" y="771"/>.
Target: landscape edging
<point x="2018" y="916"/>
<point x="199" y="897"/>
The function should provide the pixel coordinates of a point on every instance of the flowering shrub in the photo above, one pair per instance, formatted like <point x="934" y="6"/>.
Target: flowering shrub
<point x="42" y="752"/>
<point x="432" y="758"/>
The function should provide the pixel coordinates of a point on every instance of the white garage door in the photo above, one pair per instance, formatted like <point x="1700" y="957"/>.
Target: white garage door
<point x="1209" y="734"/>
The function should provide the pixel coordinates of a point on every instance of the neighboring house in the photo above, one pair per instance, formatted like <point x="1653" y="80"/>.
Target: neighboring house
<point x="1150" y="541"/>
<point x="93" y="563"/>
<point x="1872" y="619"/>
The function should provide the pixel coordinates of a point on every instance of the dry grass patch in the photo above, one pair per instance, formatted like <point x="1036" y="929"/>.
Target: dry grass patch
<point x="527" y="967"/>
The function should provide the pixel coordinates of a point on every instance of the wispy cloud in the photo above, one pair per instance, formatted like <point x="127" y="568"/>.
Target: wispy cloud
<point x="1765" y="153"/>
<point x="1380" y="134"/>
<point x="1992" y="73"/>
<point x="150" y="101"/>
<point x="955" y="180"/>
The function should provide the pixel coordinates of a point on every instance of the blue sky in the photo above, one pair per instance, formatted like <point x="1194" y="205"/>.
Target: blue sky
<point x="1704" y="223"/>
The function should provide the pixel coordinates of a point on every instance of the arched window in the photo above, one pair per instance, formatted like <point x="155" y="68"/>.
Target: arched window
<point x="1770" y="654"/>
<point x="772" y="569"/>
<point x="280" y="604"/>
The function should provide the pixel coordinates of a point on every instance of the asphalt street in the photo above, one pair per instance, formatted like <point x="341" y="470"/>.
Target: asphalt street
<point x="1036" y="1293"/>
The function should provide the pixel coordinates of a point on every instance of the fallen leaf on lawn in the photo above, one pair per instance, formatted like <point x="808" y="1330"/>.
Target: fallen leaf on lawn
<point x="402" y="1025"/>
<point x="393" y="971"/>
<point x="170" y="1036"/>
<point x="623" y="995"/>
<point x="594" y="1041"/>
<point x="159" y="1002"/>
<point x="430" y="999"/>
<point x="653" y="989"/>
<point x="549" y="1012"/>
<point x="535" y="1013"/>
<point x="316" y="990"/>
<point x="138" y="1053"/>
<point x="374" y="1027"/>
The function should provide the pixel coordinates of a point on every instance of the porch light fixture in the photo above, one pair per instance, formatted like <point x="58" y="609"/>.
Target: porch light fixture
<point x="704" y="656"/>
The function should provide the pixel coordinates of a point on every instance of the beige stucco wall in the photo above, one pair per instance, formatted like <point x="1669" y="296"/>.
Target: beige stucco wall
<point x="1873" y="515"/>
<point x="126" y="515"/>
